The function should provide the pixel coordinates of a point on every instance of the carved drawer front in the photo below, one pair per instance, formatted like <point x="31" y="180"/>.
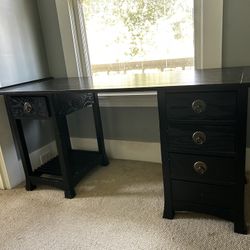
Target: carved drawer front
<point x="71" y="102"/>
<point x="202" y="106"/>
<point x="203" y="194"/>
<point x="202" y="139"/>
<point x="34" y="107"/>
<point x="202" y="168"/>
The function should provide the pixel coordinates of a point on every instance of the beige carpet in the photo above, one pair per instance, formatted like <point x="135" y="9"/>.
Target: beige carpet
<point x="118" y="207"/>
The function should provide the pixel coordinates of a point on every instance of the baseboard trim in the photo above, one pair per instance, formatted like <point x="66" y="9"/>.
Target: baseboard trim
<point x="116" y="149"/>
<point x="35" y="155"/>
<point x="119" y="149"/>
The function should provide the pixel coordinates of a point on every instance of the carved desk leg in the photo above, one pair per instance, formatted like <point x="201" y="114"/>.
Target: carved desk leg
<point x="64" y="147"/>
<point x="99" y="130"/>
<point x="19" y="139"/>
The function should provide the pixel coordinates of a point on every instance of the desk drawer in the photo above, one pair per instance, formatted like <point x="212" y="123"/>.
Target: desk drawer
<point x="205" y="194"/>
<point x="34" y="107"/>
<point x="201" y="139"/>
<point x="203" y="168"/>
<point x="202" y="106"/>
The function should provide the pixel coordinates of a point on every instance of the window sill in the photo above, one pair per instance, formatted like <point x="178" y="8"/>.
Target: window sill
<point x="128" y="99"/>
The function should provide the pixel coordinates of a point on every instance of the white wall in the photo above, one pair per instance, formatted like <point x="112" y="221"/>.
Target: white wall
<point x="22" y="58"/>
<point x="22" y="55"/>
<point x="236" y="33"/>
<point x="52" y="37"/>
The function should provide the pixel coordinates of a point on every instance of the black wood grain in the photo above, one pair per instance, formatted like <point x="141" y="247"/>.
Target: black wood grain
<point x="64" y="148"/>
<point x="220" y="170"/>
<point x="220" y="140"/>
<point x="174" y="80"/>
<point x="239" y="209"/>
<point x="213" y="195"/>
<point x="218" y="106"/>
<point x="99" y="131"/>
<point x="39" y="107"/>
<point x="19" y="139"/>
<point x="220" y="191"/>
<point x="224" y="213"/>
<point x="168" y="211"/>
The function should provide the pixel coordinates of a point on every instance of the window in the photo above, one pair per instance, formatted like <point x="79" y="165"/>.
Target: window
<point x="135" y="36"/>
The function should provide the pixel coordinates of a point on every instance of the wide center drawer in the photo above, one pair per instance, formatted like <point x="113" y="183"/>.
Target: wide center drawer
<point x="202" y="168"/>
<point x="202" y="106"/>
<point x="204" y="194"/>
<point x="201" y="139"/>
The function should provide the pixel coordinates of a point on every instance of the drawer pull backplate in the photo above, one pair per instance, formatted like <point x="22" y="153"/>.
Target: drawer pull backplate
<point x="200" y="167"/>
<point x="27" y="107"/>
<point x="198" y="106"/>
<point x="199" y="137"/>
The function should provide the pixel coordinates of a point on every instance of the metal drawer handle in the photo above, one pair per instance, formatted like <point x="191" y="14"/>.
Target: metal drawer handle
<point x="198" y="106"/>
<point x="199" y="137"/>
<point x="27" y="107"/>
<point x="200" y="167"/>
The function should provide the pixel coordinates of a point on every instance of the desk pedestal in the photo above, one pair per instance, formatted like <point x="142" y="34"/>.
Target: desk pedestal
<point x="203" y="143"/>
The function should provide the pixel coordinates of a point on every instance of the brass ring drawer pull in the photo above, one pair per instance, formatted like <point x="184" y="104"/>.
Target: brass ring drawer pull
<point x="198" y="106"/>
<point x="200" y="167"/>
<point x="199" y="137"/>
<point x="27" y="107"/>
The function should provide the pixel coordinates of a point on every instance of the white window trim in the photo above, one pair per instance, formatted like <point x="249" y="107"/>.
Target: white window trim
<point x="208" y="16"/>
<point x="208" y="26"/>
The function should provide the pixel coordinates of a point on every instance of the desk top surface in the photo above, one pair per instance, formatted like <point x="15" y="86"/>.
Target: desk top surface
<point x="138" y="82"/>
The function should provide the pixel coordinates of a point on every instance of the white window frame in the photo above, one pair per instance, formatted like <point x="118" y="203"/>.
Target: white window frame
<point x="208" y="25"/>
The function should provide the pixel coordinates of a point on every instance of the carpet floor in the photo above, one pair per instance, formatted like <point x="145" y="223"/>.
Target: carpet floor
<point x="116" y="207"/>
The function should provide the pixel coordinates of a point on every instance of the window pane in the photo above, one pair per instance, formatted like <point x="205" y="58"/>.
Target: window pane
<point x="131" y="36"/>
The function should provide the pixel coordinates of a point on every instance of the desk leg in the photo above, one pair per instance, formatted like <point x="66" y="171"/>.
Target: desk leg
<point x="64" y="147"/>
<point x="99" y="130"/>
<point x="168" y="211"/>
<point x="17" y="131"/>
<point x="19" y="140"/>
<point x="239" y="199"/>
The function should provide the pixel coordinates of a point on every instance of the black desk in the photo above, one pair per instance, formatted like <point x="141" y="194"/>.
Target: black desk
<point x="202" y="118"/>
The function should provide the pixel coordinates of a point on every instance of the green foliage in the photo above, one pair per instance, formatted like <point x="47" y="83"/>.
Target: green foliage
<point x="138" y="16"/>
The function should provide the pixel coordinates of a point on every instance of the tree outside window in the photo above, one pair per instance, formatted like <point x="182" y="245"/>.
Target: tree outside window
<point x="139" y="35"/>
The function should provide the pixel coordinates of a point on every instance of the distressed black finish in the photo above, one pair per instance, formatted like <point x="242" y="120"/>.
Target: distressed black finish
<point x="66" y="103"/>
<point x="67" y="169"/>
<point x="204" y="194"/>
<point x="227" y="77"/>
<point x="220" y="140"/>
<point x="217" y="188"/>
<point x="38" y="107"/>
<point x="99" y="132"/>
<point x="219" y="169"/>
<point x="202" y="117"/>
<point x="218" y="106"/>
